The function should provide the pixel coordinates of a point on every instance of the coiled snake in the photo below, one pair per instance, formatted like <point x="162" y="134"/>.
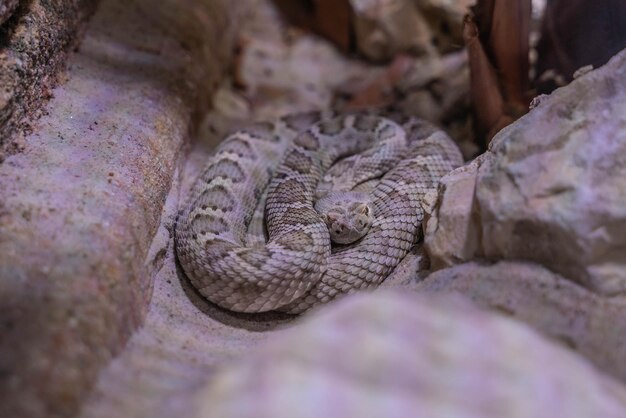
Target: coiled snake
<point x="277" y="171"/>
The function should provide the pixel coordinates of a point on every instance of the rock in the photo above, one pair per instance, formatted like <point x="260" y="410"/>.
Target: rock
<point x="451" y="229"/>
<point x="583" y="321"/>
<point x="405" y="355"/>
<point x="7" y="7"/>
<point x="33" y="50"/>
<point x="558" y="198"/>
<point x="81" y="204"/>
<point x="550" y="189"/>
<point x="182" y="341"/>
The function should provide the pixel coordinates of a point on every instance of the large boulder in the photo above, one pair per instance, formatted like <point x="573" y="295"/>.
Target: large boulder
<point x="392" y="354"/>
<point x="551" y="189"/>
<point x="580" y="319"/>
<point x="82" y="200"/>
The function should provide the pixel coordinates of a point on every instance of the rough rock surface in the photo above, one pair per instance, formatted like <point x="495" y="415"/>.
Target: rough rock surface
<point x="551" y="188"/>
<point x="450" y="229"/>
<point x="583" y="321"/>
<point x="7" y="7"/>
<point x="183" y="340"/>
<point x="81" y="203"/>
<point x="401" y="355"/>
<point x="35" y="38"/>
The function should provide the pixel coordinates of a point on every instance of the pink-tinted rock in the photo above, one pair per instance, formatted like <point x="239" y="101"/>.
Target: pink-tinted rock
<point x="451" y="233"/>
<point x="583" y="321"/>
<point x="7" y="7"/>
<point x="34" y="49"/>
<point x="81" y="203"/>
<point x="550" y="189"/>
<point x="183" y="341"/>
<point x="392" y="354"/>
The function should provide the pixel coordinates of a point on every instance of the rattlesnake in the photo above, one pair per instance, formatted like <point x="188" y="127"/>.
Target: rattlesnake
<point x="219" y="233"/>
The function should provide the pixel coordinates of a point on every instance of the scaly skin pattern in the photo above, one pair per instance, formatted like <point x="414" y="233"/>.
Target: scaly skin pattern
<point x="281" y="164"/>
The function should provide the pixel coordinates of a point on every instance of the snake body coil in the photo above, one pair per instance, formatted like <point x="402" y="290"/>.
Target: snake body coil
<point x="278" y="167"/>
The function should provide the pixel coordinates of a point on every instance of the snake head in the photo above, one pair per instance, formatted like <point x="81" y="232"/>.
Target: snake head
<point x="349" y="224"/>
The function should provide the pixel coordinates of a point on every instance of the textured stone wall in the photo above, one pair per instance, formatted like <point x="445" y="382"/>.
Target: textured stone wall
<point x="7" y="7"/>
<point x="83" y="195"/>
<point x="34" y="40"/>
<point x="550" y="189"/>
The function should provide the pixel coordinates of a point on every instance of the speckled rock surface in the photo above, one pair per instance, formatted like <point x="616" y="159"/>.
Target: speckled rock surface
<point x="551" y="189"/>
<point x="402" y="355"/>
<point x="583" y="321"/>
<point x="180" y="345"/>
<point x="82" y="201"/>
<point x="36" y="37"/>
<point x="7" y="7"/>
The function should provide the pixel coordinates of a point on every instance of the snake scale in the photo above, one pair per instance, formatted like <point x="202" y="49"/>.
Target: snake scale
<point x="274" y="171"/>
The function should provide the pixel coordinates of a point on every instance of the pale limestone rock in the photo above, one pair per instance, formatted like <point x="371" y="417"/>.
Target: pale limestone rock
<point x="391" y="354"/>
<point x="588" y="323"/>
<point x="554" y="191"/>
<point x="551" y="189"/>
<point x="451" y="231"/>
